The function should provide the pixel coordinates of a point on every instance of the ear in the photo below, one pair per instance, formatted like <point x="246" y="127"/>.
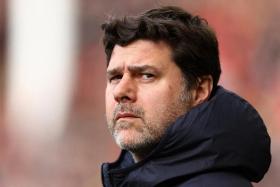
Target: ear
<point x="202" y="92"/>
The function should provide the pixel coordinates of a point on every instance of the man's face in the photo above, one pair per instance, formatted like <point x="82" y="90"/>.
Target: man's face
<point x="145" y="93"/>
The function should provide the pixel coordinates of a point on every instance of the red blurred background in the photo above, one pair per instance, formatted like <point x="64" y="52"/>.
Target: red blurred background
<point x="248" y="34"/>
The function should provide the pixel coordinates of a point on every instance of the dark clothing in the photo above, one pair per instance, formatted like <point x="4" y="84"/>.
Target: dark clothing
<point x="220" y="143"/>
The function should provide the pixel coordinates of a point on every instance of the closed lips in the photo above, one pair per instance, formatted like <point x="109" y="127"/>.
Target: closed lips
<point x="125" y="115"/>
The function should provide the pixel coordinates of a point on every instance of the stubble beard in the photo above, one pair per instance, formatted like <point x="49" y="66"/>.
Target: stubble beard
<point x="148" y="135"/>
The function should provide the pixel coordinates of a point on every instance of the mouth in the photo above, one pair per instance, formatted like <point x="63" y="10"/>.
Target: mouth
<point x="125" y="115"/>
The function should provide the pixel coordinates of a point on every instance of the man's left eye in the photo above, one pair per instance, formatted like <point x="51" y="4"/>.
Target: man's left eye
<point x="147" y="75"/>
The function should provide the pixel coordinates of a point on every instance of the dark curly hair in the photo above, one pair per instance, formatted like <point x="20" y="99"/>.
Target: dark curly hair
<point x="193" y="43"/>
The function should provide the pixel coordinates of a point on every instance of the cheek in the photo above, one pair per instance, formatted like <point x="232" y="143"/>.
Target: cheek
<point x="161" y="94"/>
<point x="163" y="99"/>
<point x="109" y="103"/>
<point x="157" y="100"/>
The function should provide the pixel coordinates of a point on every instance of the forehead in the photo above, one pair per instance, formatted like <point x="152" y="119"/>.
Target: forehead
<point x="141" y="52"/>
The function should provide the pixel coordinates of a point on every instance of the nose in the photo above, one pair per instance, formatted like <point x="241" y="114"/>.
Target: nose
<point x="125" y="91"/>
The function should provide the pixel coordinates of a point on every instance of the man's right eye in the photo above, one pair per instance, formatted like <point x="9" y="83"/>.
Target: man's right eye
<point x="115" y="78"/>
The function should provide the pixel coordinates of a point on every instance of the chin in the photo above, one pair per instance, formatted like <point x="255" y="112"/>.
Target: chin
<point x="128" y="139"/>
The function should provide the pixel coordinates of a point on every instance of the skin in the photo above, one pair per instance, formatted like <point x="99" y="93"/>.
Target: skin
<point x="145" y="93"/>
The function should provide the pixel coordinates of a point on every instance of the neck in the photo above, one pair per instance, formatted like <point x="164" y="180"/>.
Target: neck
<point x="137" y="157"/>
<point x="141" y="154"/>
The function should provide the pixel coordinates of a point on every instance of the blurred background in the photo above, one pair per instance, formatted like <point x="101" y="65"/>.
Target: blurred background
<point x="52" y="80"/>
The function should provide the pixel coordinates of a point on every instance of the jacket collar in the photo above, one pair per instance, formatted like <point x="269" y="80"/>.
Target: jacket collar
<point x="224" y="133"/>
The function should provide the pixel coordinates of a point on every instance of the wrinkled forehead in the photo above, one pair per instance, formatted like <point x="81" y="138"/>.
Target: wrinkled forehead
<point x="140" y="53"/>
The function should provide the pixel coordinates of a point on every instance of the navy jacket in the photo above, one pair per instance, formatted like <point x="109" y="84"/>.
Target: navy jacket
<point x="220" y="143"/>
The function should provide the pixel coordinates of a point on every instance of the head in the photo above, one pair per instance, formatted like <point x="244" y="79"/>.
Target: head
<point x="160" y="64"/>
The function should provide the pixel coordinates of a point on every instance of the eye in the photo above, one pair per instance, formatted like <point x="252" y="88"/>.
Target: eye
<point x="115" y="78"/>
<point x="147" y="76"/>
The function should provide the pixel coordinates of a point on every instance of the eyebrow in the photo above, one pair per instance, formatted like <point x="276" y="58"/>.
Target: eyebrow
<point x="114" y="71"/>
<point x="141" y="68"/>
<point x="133" y="69"/>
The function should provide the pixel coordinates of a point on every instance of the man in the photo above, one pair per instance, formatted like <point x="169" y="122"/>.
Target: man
<point x="174" y="124"/>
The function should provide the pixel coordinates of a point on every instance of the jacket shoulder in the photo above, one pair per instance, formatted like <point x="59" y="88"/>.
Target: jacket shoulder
<point x="211" y="179"/>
